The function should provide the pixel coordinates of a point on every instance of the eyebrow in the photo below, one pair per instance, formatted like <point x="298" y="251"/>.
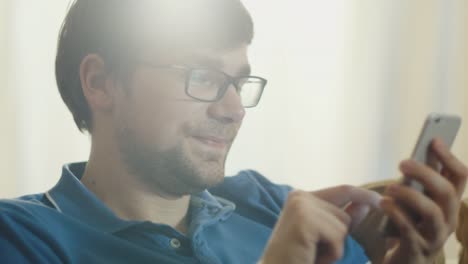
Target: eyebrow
<point x="203" y="61"/>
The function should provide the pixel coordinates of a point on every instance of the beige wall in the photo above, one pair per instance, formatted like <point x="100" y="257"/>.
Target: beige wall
<point x="346" y="98"/>
<point x="461" y="75"/>
<point x="8" y="139"/>
<point x="430" y="74"/>
<point x="433" y="68"/>
<point x="39" y="131"/>
<point x="350" y="85"/>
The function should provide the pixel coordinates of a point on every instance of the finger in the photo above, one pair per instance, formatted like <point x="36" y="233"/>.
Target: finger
<point x="421" y="211"/>
<point x="423" y="174"/>
<point x="323" y="257"/>
<point x="432" y="161"/>
<point x="337" y="212"/>
<point x="435" y="186"/>
<point x="304" y="204"/>
<point x="357" y="212"/>
<point x="407" y="232"/>
<point x="343" y="195"/>
<point x="458" y="171"/>
<point x="332" y="236"/>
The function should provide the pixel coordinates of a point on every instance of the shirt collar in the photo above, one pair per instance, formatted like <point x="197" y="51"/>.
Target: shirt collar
<point x="72" y="198"/>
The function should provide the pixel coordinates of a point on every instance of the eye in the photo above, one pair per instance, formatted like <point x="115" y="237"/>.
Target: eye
<point x="206" y="78"/>
<point x="201" y="78"/>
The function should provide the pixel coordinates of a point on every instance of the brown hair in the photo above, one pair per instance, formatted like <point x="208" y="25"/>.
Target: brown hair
<point x="120" y="30"/>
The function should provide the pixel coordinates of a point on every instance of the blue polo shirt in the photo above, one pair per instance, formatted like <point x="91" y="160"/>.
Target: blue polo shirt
<point x="230" y="223"/>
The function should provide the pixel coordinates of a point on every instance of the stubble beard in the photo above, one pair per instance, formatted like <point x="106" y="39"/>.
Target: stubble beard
<point x="170" y="173"/>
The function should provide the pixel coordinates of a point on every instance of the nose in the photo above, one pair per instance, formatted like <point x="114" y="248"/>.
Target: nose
<point x="228" y="109"/>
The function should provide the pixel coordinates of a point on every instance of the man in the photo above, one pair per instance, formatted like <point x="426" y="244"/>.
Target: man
<point x="162" y="86"/>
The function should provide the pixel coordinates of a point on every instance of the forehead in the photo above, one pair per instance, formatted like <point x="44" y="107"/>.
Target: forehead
<point x="233" y="61"/>
<point x="228" y="60"/>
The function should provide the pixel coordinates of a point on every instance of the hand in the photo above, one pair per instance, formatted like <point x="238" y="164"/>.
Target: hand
<point x="433" y="215"/>
<point x="313" y="225"/>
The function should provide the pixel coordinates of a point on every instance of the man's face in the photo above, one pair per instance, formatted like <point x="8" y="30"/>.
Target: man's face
<point x="177" y="145"/>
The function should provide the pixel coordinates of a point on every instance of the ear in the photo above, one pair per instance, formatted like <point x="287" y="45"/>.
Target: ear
<point x="96" y="84"/>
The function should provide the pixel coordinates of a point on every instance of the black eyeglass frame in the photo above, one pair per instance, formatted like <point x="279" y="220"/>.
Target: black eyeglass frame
<point x="221" y="90"/>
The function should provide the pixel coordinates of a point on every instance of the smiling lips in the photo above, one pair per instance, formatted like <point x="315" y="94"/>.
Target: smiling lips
<point x="212" y="141"/>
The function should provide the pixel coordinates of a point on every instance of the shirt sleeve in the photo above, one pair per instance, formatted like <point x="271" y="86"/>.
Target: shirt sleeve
<point x="9" y="253"/>
<point x="278" y="192"/>
<point x="266" y="195"/>
<point x="21" y="241"/>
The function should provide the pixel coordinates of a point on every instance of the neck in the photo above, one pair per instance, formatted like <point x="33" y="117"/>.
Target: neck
<point x="126" y="196"/>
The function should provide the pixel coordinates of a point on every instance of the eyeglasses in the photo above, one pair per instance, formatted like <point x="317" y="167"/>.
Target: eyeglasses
<point x="207" y="85"/>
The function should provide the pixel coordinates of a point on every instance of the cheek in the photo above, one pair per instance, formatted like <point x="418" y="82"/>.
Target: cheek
<point x="158" y="124"/>
<point x="159" y="118"/>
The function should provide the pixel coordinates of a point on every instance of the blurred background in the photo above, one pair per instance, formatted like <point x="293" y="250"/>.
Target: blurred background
<point x="350" y="84"/>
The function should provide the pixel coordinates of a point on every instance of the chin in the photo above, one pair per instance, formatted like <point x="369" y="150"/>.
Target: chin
<point x="208" y="168"/>
<point x="210" y="175"/>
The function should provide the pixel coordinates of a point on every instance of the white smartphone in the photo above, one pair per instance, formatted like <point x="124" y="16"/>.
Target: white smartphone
<point x="437" y="125"/>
